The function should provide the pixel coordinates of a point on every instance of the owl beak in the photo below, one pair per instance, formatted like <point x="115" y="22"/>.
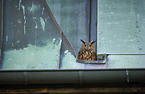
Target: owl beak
<point x="88" y="49"/>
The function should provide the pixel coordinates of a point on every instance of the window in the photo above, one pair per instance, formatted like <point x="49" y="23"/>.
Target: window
<point x="32" y="39"/>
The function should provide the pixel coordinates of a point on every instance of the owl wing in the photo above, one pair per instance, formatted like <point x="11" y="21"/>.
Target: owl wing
<point x="80" y="55"/>
<point x="93" y="56"/>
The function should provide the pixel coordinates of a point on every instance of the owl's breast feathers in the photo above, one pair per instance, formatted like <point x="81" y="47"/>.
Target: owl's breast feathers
<point x="87" y="55"/>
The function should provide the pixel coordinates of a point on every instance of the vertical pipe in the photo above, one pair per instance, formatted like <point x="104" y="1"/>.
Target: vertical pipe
<point x="1" y="25"/>
<point x="88" y="19"/>
<point x="1" y="40"/>
<point x="90" y="5"/>
<point x="97" y="23"/>
<point x="93" y="20"/>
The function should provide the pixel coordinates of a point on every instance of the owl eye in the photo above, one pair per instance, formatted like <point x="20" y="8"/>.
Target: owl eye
<point x="90" y="45"/>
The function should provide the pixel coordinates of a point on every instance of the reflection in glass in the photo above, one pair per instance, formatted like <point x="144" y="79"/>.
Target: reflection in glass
<point x="32" y="39"/>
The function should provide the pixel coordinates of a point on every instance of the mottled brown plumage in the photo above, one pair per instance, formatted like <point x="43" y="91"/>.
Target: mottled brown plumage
<point x="87" y="51"/>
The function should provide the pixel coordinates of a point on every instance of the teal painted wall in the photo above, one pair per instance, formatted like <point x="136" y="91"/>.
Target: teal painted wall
<point x="121" y="26"/>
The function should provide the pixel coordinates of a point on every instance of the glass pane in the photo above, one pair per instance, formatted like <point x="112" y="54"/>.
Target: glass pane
<point x="72" y="16"/>
<point x="121" y="26"/>
<point x="32" y="39"/>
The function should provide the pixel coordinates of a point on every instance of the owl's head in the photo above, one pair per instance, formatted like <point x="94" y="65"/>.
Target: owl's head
<point x="88" y="46"/>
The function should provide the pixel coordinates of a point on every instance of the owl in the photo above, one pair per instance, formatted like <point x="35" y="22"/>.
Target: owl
<point x="87" y="51"/>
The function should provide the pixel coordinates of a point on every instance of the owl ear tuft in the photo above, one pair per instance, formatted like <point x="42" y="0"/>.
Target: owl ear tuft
<point x="93" y="41"/>
<point x="83" y="41"/>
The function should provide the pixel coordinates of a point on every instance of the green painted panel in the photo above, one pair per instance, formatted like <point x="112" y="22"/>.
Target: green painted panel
<point x="121" y="26"/>
<point x="126" y="61"/>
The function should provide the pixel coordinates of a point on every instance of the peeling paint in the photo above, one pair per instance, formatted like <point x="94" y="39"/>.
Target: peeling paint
<point x="19" y="21"/>
<point x="7" y="38"/>
<point x="20" y="4"/>
<point x="46" y="20"/>
<point x="42" y="23"/>
<point x="24" y="19"/>
<point x="54" y="40"/>
<point x="18" y="41"/>
<point x="33" y="8"/>
<point x="36" y="25"/>
<point x="12" y="44"/>
<point x="66" y="51"/>
<point x="43" y="10"/>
